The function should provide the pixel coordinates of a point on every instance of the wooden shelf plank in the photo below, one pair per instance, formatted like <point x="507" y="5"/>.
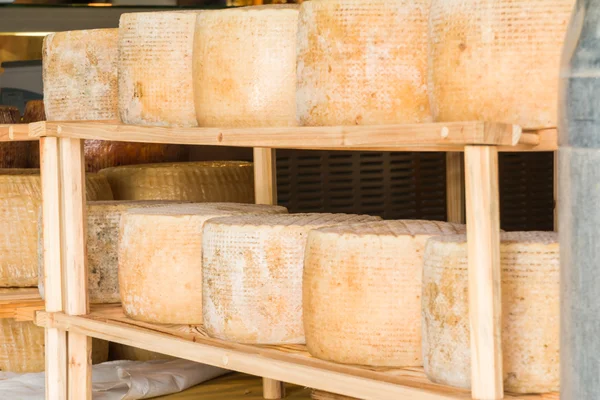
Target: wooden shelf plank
<point x="15" y="132"/>
<point x="289" y="363"/>
<point x="21" y="304"/>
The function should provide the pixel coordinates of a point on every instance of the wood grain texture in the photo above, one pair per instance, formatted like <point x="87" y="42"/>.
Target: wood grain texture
<point x="455" y="188"/>
<point x="265" y="176"/>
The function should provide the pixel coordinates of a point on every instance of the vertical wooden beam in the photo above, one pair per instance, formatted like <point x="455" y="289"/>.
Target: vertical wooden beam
<point x="265" y="192"/>
<point x="455" y="188"/>
<point x="56" y="340"/>
<point x="485" y="306"/>
<point x="555" y="188"/>
<point x="74" y="261"/>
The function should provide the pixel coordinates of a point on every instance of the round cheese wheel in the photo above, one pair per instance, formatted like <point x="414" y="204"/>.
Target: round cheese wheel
<point x="155" y="68"/>
<point x="20" y="216"/>
<point x="160" y="259"/>
<point x="362" y="291"/>
<point x="80" y="75"/>
<point x="497" y="60"/>
<point x="245" y="66"/>
<point x="252" y="275"/>
<point x="530" y="311"/>
<point x="362" y="62"/>
<point x="228" y="181"/>
<point x="13" y="154"/>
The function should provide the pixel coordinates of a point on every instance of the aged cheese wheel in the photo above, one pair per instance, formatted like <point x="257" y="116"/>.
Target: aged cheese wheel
<point x="362" y="291"/>
<point x="252" y="275"/>
<point x="160" y="259"/>
<point x="20" y="213"/>
<point x="362" y="62"/>
<point x="155" y="68"/>
<point x="497" y="60"/>
<point x="245" y="66"/>
<point x="13" y="154"/>
<point x="229" y="181"/>
<point x="80" y="75"/>
<point x="530" y="311"/>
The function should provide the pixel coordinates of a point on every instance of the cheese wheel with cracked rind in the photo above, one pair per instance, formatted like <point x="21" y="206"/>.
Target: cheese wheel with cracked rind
<point x="362" y="62"/>
<point x="530" y="311"/>
<point x="160" y="259"/>
<point x="252" y="275"/>
<point x="362" y="291"/>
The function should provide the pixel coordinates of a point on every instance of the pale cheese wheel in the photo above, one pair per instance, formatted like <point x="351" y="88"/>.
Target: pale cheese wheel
<point x="155" y="68"/>
<point x="20" y="216"/>
<point x="160" y="259"/>
<point x="245" y="66"/>
<point x="530" y="311"/>
<point x="80" y="75"/>
<point x="228" y="181"/>
<point x="362" y="62"/>
<point x="252" y="275"/>
<point x="13" y="154"/>
<point x="497" y="60"/>
<point x="362" y="291"/>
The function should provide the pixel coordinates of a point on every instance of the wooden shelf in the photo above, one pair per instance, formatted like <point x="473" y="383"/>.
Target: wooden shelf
<point x="15" y="132"/>
<point x="289" y="363"/>
<point x="21" y="305"/>
<point x="451" y="136"/>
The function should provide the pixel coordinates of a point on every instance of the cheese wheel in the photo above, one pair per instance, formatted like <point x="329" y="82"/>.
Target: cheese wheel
<point x="34" y="112"/>
<point x="80" y="75"/>
<point x="245" y="66"/>
<point x="530" y="311"/>
<point x="362" y="291"/>
<point x="13" y="154"/>
<point x="160" y="259"/>
<point x="155" y="68"/>
<point x="20" y="214"/>
<point x="228" y="181"/>
<point x="362" y="62"/>
<point x="497" y="60"/>
<point x="252" y="275"/>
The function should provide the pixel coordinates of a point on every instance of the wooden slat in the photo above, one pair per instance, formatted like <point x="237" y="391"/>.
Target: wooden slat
<point x="547" y="140"/>
<point x="15" y="132"/>
<point x="483" y="241"/>
<point x="455" y="188"/>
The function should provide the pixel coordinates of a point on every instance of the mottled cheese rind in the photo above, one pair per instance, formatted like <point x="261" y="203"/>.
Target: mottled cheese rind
<point x="155" y="68"/>
<point x="497" y="60"/>
<point x="362" y="291"/>
<point x="80" y="75"/>
<point x="228" y="181"/>
<point x="245" y="66"/>
<point x="160" y="259"/>
<point x="252" y="275"/>
<point x="362" y="62"/>
<point x="530" y="311"/>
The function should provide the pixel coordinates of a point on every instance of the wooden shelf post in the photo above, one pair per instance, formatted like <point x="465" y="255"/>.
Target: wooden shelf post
<point x="483" y="236"/>
<point x="455" y="188"/>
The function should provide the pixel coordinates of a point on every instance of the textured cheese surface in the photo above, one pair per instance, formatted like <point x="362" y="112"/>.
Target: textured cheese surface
<point x="20" y="214"/>
<point x="13" y="154"/>
<point x="497" y="60"/>
<point x="80" y="75"/>
<point x="362" y="291"/>
<point x="160" y="259"/>
<point x="229" y="181"/>
<point x="155" y="68"/>
<point x="245" y="66"/>
<point x="253" y="275"/>
<point x="530" y="311"/>
<point x="362" y="62"/>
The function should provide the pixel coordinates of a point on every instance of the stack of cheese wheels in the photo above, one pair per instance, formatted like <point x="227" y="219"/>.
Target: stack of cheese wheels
<point x="362" y="62"/>
<point x="20" y="213"/>
<point x="160" y="259"/>
<point x="362" y="291"/>
<point x="497" y="60"/>
<point x="155" y="68"/>
<point x="229" y="181"/>
<point x="530" y="311"/>
<point x="245" y="66"/>
<point x="22" y="344"/>
<point x="252" y="275"/>
<point x="13" y="154"/>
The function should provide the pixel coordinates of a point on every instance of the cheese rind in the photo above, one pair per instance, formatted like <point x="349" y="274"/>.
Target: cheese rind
<point x="530" y="311"/>
<point x="160" y="259"/>
<point x="252" y="275"/>
<point x="13" y="154"/>
<point x="155" y="68"/>
<point x="228" y="181"/>
<point x="497" y="60"/>
<point x="362" y="62"/>
<point x="245" y="66"/>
